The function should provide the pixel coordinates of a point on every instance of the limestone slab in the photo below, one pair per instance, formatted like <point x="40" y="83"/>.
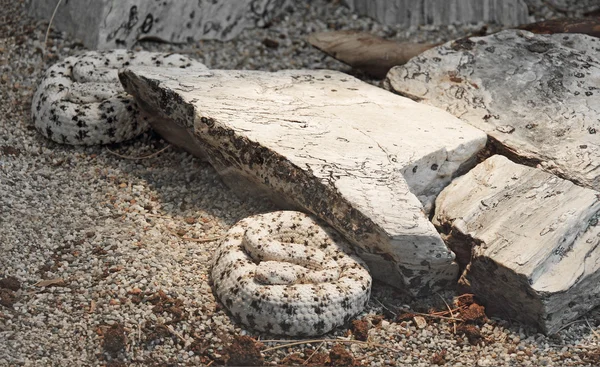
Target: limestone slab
<point x="420" y="12"/>
<point x="107" y="24"/>
<point x="533" y="239"/>
<point x="536" y="96"/>
<point x="323" y="142"/>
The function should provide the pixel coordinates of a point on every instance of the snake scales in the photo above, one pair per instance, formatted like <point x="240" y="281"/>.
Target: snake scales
<point x="283" y="273"/>
<point x="80" y="100"/>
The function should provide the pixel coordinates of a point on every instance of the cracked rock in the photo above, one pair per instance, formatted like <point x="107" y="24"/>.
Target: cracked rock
<point x="106" y="24"/>
<point x="420" y="12"/>
<point x="355" y="155"/>
<point x="536" y="96"/>
<point x="533" y="239"/>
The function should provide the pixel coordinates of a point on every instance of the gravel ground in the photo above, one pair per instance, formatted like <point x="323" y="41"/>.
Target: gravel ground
<point x="104" y="259"/>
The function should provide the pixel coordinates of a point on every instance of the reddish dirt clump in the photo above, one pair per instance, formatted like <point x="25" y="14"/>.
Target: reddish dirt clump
<point x="474" y="314"/>
<point x="163" y="303"/>
<point x="339" y="356"/>
<point x="311" y="358"/>
<point x="243" y="351"/>
<point x="7" y="297"/>
<point x="439" y="359"/>
<point x="11" y="283"/>
<point x="360" y="329"/>
<point x="114" y="339"/>
<point x="471" y="332"/>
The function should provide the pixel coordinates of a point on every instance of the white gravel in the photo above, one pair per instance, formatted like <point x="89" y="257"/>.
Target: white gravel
<point x="105" y="247"/>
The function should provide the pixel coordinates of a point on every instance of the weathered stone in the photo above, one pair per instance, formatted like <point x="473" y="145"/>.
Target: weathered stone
<point x="106" y="24"/>
<point x="535" y="238"/>
<point x="536" y="96"/>
<point x="324" y="142"/>
<point x="571" y="5"/>
<point x="419" y="12"/>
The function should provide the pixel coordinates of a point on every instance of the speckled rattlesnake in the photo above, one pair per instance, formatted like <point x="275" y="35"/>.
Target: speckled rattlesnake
<point x="308" y="283"/>
<point x="80" y="100"/>
<point x="283" y="273"/>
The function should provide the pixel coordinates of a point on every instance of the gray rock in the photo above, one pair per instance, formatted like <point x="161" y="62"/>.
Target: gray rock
<point x="572" y="5"/>
<point x="536" y="96"/>
<point x="324" y="142"/>
<point x="535" y="237"/>
<point x="419" y="12"/>
<point x="106" y="24"/>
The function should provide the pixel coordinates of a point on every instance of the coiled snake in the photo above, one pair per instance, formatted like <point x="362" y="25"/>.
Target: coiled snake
<point x="283" y="273"/>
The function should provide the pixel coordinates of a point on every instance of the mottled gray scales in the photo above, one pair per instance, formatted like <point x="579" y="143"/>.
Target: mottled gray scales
<point x="283" y="273"/>
<point x="80" y="100"/>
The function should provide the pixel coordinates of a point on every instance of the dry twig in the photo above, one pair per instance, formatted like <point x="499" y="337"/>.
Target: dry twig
<point x="591" y="328"/>
<point x="449" y="310"/>
<point x="568" y="324"/>
<point x="199" y="240"/>
<point x="382" y="305"/>
<point x="369" y="344"/>
<point x="50" y="25"/>
<point x="142" y="157"/>
<point x="313" y="353"/>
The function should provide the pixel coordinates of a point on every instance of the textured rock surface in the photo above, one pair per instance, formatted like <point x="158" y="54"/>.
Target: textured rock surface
<point x="106" y="24"/>
<point x="535" y="95"/>
<point x="563" y="5"/>
<point x="536" y="254"/>
<point x="419" y="12"/>
<point x="322" y="141"/>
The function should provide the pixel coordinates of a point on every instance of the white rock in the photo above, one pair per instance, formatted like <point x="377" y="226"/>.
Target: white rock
<point x="536" y="96"/>
<point x="106" y="24"/>
<point x="352" y="154"/>
<point x="419" y="12"/>
<point x="537" y="241"/>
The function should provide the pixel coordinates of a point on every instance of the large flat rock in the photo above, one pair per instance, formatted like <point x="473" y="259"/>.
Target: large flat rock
<point x="535" y="95"/>
<point x="107" y="24"/>
<point x="420" y="12"/>
<point x="323" y="142"/>
<point x="535" y="238"/>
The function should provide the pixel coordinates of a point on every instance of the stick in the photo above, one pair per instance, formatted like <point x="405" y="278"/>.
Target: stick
<point x="449" y="309"/>
<point x="142" y="157"/>
<point x="199" y="240"/>
<point x="313" y="353"/>
<point x="569" y="324"/>
<point x="382" y="305"/>
<point x="50" y="25"/>
<point x="324" y="341"/>
<point x="591" y="328"/>
<point x="432" y="316"/>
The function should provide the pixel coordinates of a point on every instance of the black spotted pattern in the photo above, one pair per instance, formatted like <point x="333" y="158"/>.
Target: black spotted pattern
<point x="298" y="309"/>
<point x="81" y="102"/>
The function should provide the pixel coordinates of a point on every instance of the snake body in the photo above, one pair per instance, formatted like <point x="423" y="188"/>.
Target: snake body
<point x="81" y="102"/>
<point x="283" y="273"/>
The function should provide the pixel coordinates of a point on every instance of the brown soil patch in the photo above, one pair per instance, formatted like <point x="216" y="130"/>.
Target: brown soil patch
<point x="243" y="351"/>
<point x="360" y="329"/>
<point x="114" y="339"/>
<point x="11" y="283"/>
<point x="339" y="356"/>
<point x="7" y="298"/>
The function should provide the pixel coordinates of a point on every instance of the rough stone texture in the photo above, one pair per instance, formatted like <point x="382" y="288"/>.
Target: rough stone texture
<point x="536" y="96"/>
<point x="352" y="154"/>
<point x="419" y="12"/>
<point x="536" y="254"/>
<point x="571" y="5"/>
<point x="106" y="24"/>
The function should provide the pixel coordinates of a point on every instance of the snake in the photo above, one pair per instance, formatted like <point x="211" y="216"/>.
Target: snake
<point x="80" y="100"/>
<point x="284" y="273"/>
